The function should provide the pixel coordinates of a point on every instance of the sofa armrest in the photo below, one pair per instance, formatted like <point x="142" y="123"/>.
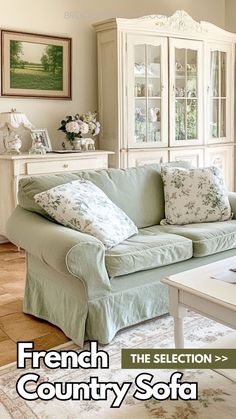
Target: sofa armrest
<point x="232" y="201"/>
<point x="62" y="248"/>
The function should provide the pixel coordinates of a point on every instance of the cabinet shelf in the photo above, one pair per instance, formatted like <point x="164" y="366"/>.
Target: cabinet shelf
<point x="185" y="73"/>
<point x="147" y="97"/>
<point x="187" y="76"/>
<point x="148" y="76"/>
<point x="186" y="97"/>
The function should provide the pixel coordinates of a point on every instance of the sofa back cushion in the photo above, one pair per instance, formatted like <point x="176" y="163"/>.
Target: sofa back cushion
<point x="137" y="191"/>
<point x="194" y="195"/>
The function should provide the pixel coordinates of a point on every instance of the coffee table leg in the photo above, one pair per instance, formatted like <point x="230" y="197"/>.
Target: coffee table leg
<point x="178" y="332"/>
<point x="178" y="312"/>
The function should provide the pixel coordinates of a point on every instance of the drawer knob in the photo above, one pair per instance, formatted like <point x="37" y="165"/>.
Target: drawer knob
<point x="66" y="166"/>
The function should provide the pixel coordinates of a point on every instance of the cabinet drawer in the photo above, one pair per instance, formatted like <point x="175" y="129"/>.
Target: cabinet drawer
<point x="45" y="167"/>
<point x="192" y="156"/>
<point x="141" y="158"/>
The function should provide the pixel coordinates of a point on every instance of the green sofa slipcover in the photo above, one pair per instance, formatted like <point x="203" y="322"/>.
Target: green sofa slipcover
<point x="91" y="293"/>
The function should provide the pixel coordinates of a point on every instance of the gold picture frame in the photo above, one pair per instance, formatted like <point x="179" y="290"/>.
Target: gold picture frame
<point x="35" y="65"/>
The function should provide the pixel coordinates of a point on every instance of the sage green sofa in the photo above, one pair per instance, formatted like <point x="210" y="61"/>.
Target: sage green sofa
<point x="91" y="293"/>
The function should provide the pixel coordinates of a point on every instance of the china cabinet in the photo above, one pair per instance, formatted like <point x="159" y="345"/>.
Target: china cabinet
<point x="166" y="91"/>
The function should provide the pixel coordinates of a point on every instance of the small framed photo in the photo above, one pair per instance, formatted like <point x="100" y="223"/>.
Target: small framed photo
<point x="41" y="135"/>
<point x="35" y="65"/>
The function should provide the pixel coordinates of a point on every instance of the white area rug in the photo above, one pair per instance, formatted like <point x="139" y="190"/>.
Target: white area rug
<point x="217" y="394"/>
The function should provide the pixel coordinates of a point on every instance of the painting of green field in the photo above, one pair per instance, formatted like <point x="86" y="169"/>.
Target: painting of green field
<point x="36" y="66"/>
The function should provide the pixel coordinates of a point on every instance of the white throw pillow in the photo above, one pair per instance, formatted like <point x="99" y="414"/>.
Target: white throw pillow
<point x="81" y="205"/>
<point x="194" y="196"/>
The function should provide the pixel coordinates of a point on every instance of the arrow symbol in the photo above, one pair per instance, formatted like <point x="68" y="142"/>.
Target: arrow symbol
<point x="219" y="358"/>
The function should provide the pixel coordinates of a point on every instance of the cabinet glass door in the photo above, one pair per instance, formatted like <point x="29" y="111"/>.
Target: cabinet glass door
<point x="186" y="72"/>
<point x="147" y="91"/>
<point x="218" y="94"/>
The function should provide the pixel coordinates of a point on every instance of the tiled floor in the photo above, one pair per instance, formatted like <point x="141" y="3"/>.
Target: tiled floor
<point x="14" y="324"/>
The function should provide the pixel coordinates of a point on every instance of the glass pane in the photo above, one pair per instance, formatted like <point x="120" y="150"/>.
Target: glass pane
<point x="139" y="58"/>
<point x="223" y="74"/>
<point x="215" y="73"/>
<point x="214" y="118"/>
<point x="140" y="120"/>
<point x="186" y="85"/>
<point x="180" y="61"/>
<point x="192" y="119"/>
<point x="191" y="62"/>
<point x="154" y="87"/>
<point x="180" y="90"/>
<point x="147" y="93"/>
<point x="154" y="70"/>
<point x="192" y="87"/>
<point x="140" y="71"/>
<point x="223" y="118"/>
<point x="154" y="60"/>
<point x="180" y="72"/>
<point x="154" y="120"/>
<point x="139" y="88"/>
<point x="180" y="117"/>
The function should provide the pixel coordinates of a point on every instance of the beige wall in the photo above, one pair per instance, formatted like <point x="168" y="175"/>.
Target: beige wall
<point x="230" y="15"/>
<point x="73" y="18"/>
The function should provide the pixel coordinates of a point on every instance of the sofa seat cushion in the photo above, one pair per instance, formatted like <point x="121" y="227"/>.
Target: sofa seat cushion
<point x="149" y="249"/>
<point x="208" y="238"/>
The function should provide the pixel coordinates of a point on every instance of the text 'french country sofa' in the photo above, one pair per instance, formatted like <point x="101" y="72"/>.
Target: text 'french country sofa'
<point x="91" y="293"/>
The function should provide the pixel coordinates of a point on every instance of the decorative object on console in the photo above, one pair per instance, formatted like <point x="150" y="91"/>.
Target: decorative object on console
<point x="87" y="144"/>
<point x="76" y="126"/>
<point x="82" y="206"/>
<point x="40" y="141"/>
<point x="36" y="65"/>
<point x="194" y="196"/>
<point x="9" y="123"/>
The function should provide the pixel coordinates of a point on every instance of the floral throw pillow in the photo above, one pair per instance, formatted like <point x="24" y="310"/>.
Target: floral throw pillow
<point x="82" y="206"/>
<point x="194" y="195"/>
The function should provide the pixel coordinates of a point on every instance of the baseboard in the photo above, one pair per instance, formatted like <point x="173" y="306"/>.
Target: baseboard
<point x="3" y="240"/>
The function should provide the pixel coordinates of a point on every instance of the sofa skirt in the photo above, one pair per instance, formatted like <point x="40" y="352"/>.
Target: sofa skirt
<point x="62" y="299"/>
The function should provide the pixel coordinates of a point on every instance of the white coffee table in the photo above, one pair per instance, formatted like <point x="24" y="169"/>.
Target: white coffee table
<point x="196" y="290"/>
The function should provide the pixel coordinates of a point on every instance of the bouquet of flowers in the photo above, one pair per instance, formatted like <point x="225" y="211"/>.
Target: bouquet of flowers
<point x="75" y="126"/>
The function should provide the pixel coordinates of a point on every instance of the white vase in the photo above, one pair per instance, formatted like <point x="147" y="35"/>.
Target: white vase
<point x="76" y="144"/>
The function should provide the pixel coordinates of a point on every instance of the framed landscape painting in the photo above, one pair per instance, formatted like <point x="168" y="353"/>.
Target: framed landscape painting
<point x="35" y="65"/>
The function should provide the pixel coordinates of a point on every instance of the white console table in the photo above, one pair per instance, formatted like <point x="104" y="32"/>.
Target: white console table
<point x="13" y="167"/>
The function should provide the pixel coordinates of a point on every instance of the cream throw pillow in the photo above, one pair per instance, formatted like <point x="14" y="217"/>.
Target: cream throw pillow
<point x="82" y="206"/>
<point x="194" y="195"/>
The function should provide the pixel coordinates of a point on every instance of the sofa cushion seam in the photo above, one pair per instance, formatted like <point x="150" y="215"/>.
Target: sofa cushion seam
<point x="145" y="250"/>
<point x="214" y="238"/>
